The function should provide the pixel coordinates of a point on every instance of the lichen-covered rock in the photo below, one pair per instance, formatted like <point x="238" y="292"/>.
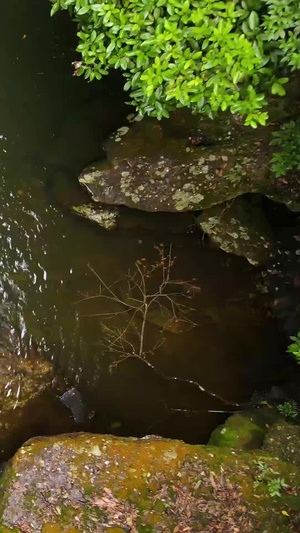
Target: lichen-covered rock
<point x="24" y="396"/>
<point x="239" y="227"/>
<point x="186" y="163"/>
<point x="283" y="441"/>
<point x="104" y="216"/>
<point x="92" y="483"/>
<point x="241" y="431"/>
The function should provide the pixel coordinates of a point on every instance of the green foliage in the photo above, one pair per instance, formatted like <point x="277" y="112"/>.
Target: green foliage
<point x="289" y="409"/>
<point x="294" y="348"/>
<point x="282" y="24"/>
<point x="275" y="486"/>
<point x="288" y="158"/>
<point x="207" y="55"/>
<point x="266" y="479"/>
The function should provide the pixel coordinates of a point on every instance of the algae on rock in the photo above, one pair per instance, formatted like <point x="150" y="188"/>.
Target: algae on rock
<point x="94" y="483"/>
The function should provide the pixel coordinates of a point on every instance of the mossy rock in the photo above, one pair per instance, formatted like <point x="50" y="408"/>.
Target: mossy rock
<point x="239" y="431"/>
<point x="104" y="216"/>
<point x="86" y="483"/>
<point x="239" y="227"/>
<point x="24" y="386"/>
<point x="186" y="163"/>
<point x="283" y="441"/>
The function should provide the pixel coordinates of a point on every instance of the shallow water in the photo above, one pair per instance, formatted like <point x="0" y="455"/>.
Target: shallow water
<point x="51" y="126"/>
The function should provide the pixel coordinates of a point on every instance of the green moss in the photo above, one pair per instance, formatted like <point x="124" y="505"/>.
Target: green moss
<point x="239" y="431"/>
<point x="115" y="530"/>
<point x="54" y="528"/>
<point x="145" y="528"/>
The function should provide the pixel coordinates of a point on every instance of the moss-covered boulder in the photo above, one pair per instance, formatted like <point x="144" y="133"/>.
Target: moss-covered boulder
<point x="186" y="163"/>
<point x="283" y="441"/>
<point x="88" y="483"/>
<point x="244" y="431"/>
<point x="239" y="227"/>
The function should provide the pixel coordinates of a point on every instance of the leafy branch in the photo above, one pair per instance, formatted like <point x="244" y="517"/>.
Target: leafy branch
<point x="208" y="55"/>
<point x="287" y="158"/>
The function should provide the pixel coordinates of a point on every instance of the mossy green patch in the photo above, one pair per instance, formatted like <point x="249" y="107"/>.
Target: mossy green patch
<point x="54" y="528"/>
<point x="239" y="431"/>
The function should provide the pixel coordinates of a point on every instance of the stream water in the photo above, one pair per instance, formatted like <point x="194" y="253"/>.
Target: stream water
<point x="51" y="126"/>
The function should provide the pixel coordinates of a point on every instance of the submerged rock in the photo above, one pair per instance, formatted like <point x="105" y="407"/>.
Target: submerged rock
<point x="283" y="441"/>
<point x="29" y="403"/>
<point x="239" y="227"/>
<point x="88" y="483"/>
<point x="104" y="216"/>
<point x="24" y="384"/>
<point x="158" y="166"/>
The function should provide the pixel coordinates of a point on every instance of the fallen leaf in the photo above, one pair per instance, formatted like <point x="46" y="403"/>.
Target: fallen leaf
<point x="96" y="451"/>
<point x="169" y="454"/>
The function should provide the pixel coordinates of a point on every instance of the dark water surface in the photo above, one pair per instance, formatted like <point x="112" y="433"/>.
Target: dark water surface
<point x="51" y="126"/>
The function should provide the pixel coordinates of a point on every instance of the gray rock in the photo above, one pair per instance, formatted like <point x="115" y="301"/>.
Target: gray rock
<point x="239" y="227"/>
<point x="186" y="163"/>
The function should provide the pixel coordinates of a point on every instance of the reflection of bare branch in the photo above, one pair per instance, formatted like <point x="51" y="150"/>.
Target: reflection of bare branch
<point x="149" y="288"/>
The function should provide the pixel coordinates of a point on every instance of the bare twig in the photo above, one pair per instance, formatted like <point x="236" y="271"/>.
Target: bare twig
<point x="149" y="285"/>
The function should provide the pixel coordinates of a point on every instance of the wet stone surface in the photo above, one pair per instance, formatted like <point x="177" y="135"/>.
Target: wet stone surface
<point x="240" y="227"/>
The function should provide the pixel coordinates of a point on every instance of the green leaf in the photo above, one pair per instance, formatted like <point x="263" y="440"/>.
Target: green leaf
<point x="277" y="89"/>
<point x="54" y="8"/>
<point x="253" y="20"/>
<point x="110" y="47"/>
<point x="245" y="28"/>
<point x="83" y="10"/>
